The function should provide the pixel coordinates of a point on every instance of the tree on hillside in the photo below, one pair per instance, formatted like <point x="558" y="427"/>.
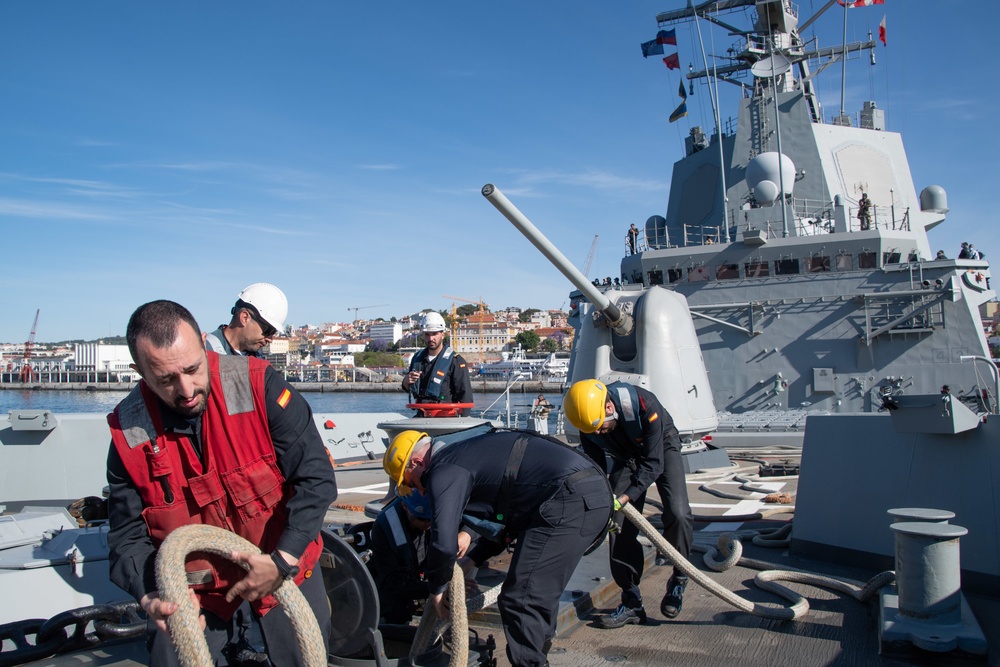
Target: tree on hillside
<point x="467" y="309"/>
<point x="379" y="359"/>
<point x="525" y="315"/>
<point x="561" y="338"/>
<point x="528" y="340"/>
<point x="376" y="346"/>
<point x="412" y="339"/>
<point x="549" y="345"/>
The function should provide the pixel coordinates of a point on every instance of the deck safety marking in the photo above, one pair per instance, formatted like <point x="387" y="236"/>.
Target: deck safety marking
<point x="365" y="489"/>
<point x="744" y="507"/>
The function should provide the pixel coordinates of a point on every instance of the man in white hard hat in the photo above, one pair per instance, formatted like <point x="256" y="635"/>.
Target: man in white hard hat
<point x="258" y="316"/>
<point x="437" y="374"/>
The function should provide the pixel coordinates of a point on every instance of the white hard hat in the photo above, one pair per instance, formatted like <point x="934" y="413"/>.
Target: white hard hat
<point x="433" y="322"/>
<point x="269" y="301"/>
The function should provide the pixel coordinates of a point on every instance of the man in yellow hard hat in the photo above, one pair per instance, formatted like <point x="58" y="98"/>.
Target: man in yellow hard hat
<point x="552" y="502"/>
<point x="628" y="424"/>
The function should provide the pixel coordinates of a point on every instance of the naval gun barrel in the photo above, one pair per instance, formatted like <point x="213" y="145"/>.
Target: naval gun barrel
<point x="620" y="322"/>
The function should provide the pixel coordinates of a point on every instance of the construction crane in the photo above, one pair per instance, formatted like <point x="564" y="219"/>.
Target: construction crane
<point x="454" y="322"/>
<point x="357" y="308"/>
<point x="590" y="257"/>
<point x="26" y="370"/>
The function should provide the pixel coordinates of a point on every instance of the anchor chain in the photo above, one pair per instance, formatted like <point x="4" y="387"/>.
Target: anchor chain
<point x="73" y="630"/>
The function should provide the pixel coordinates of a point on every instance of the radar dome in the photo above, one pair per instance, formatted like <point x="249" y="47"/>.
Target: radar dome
<point x="763" y="169"/>
<point x="934" y="199"/>
<point x="766" y="192"/>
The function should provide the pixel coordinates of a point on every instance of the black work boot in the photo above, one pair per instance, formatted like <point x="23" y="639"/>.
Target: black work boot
<point x="670" y="606"/>
<point x="622" y="616"/>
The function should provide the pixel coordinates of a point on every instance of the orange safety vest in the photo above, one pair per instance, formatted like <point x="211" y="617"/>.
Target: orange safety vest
<point x="239" y="487"/>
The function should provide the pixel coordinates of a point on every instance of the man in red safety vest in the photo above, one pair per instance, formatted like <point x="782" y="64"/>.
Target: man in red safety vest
<point x="222" y="441"/>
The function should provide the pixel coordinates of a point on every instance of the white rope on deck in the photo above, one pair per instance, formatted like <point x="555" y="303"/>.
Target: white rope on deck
<point x="767" y="580"/>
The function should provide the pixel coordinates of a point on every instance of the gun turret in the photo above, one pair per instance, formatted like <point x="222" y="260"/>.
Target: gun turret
<point x="621" y="323"/>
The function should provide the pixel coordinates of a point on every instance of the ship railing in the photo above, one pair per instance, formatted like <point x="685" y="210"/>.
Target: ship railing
<point x="811" y="217"/>
<point x="882" y="217"/>
<point x="512" y="419"/>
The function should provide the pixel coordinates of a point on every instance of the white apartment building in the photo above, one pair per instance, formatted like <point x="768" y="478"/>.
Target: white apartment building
<point x="104" y="358"/>
<point x="336" y="352"/>
<point x="541" y="320"/>
<point x="389" y="332"/>
<point x="277" y="346"/>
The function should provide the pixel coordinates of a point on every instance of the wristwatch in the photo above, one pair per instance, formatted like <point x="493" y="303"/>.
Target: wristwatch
<point x="284" y="569"/>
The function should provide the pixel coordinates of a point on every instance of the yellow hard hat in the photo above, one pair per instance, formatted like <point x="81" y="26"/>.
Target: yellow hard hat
<point x="397" y="457"/>
<point x="584" y="405"/>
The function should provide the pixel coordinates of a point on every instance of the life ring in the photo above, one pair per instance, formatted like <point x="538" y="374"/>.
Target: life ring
<point x="440" y="409"/>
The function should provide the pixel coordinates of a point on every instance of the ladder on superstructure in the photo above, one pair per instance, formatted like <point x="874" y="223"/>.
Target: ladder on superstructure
<point x="758" y="121"/>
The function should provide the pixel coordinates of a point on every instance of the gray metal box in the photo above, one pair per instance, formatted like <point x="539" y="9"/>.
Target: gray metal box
<point x="932" y="413"/>
<point x="823" y="381"/>
<point x="32" y="420"/>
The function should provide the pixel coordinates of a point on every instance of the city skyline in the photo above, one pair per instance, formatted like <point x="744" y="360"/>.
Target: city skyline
<point x="296" y="329"/>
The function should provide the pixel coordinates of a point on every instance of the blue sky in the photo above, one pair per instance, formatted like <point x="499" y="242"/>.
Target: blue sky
<point x="183" y="150"/>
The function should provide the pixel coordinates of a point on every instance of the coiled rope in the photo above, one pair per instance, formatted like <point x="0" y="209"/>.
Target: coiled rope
<point x="767" y="580"/>
<point x="184" y="626"/>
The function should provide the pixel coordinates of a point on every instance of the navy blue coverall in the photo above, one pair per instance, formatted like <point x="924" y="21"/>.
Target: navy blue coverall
<point x="559" y="504"/>
<point x="634" y="467"/>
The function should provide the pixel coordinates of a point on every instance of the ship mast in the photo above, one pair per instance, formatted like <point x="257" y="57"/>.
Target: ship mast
<point x="777" y="132"/>
<point x="774" y="38"/>
<point x="712" y="94"/>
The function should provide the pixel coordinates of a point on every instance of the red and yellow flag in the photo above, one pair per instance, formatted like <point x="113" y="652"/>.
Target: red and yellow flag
<point x="284" y="398"/>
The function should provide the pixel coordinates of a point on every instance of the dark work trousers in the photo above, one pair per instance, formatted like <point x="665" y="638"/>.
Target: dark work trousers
<point x="678" y="524"/>
<point x="282" y="647"/>
<point x="547" y="552"/>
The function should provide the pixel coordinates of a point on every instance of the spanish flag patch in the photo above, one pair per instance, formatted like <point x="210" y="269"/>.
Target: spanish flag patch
<point x="440" y="373"/>
<point x="284" y="398"/>
<point x="653" y="417"/>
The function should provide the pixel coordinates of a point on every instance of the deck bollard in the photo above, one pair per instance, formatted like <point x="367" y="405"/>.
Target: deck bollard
<point x="901" y="514"/>
<point x="925" y="608"/>
<point x="928" y="576"/>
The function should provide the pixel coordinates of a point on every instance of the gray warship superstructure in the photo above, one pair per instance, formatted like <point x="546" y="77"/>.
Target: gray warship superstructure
<point x="802" y="306"/>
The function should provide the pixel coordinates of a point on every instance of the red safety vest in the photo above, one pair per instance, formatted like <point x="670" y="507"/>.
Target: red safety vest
<point x="239" y="488"/>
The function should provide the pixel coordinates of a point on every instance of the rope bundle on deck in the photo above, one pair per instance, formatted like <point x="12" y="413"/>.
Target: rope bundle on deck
<point x="767" y="580"/>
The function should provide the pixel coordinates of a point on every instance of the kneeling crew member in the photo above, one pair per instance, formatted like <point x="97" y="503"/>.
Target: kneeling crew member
<point x="554" y="504"/>
<point x="399" y="548"/>
<point x="628" y="424"/>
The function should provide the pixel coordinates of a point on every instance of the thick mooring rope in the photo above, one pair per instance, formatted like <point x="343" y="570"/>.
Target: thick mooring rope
<point x="185" y="629"/>
<point x="432" y="627"/>
<point x="766" y="580"/>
